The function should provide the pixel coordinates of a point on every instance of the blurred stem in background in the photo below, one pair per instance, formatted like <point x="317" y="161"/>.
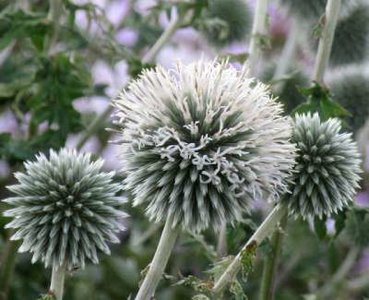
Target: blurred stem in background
<point x="149" y="57"/>
<point x="259" y="30"/>
<point x="271" y="262"/>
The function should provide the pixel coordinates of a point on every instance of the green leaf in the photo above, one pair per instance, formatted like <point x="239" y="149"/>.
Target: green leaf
<point x="320" y="100"/>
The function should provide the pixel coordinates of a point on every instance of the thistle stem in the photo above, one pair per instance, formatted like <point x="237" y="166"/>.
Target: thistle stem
<point x="270" y="265"/>
<point x="57" y="282"/>
<point x="325" y="43"/>
<point x="222" y="241"/>
<point x="258" y="31"/>
<point x="159" y="261"/>
<point x="264" y="230"/>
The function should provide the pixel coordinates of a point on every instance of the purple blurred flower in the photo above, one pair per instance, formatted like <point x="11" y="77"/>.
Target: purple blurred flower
<point x="8" y="122"/>
<point x="127" y="36"/>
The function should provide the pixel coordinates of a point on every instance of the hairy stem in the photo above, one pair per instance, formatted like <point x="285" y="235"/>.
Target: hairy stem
<point x="222" y="241"/>
<point x="57" y="282"/>
<point x="329" y="23"/>
<point x="263" y="231"/>
<point x="270" y="265"/>
<point x="258" y="33"/>
<point x="159" y="261"/>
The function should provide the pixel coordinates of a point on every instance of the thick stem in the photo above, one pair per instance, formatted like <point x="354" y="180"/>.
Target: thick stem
<point x="159" y="261"/>
<point x="270" y="265"/>
<point x="7" y="267"/>
<point x="258" y="33"/>
<point x="222" y="241"/>
<point x="57" y="282"/>
<point x="325" y="43"/>
<point x="263" y="231"/>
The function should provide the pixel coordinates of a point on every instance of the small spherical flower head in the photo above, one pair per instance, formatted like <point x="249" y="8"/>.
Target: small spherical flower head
<point x="66" y="209"/>
<point x="351" y="90"/>
<point x="225" y="22"/>
<point x="200" y="142"/>
<point x="351" y="38"/>
<point x="327" y="170"/>
<point x="307" y="10"/>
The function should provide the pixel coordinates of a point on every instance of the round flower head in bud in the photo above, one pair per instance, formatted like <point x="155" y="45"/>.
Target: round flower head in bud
<point x="326" y="174"/>
<point x="200" y="142"/>
<point x="66" y="209"/>
<point x="351" y="38"/>
<point x="310" y="10"/>
<point x="225" y="22"/>
<point x="351" y="90"/>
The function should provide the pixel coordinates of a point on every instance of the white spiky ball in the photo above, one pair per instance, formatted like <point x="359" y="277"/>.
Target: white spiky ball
<point x="326" y="175"/>
<point x="65" y="209"/>
<point x="200" y="142"/>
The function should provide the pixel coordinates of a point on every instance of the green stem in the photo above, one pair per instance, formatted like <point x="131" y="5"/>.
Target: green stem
<point x="259" y="27"/>
<point x="7" y="267"/>
<point x="263" y="231"/>
<point x="270" y="265"/>
<point x="159" y="261"/>
<point x="222" y="241"/>
<point x="57" y="282"/>
<point x="331" y="285"/>
<point x="326" y="39"/>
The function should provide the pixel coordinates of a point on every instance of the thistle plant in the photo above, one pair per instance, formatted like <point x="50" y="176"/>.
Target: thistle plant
<point x="327" y="170"/>
<point x="65" y="211"/>
<point x="324" y="181"/>
<point x="198" y="144"/>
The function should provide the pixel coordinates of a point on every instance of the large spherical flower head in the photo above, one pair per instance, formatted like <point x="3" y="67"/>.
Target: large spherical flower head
<point x="66" y="209"/>
<point x="200" y="142"/>
<point x="327" y="170"/>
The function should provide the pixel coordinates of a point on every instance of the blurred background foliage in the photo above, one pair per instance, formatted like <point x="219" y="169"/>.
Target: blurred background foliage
<point x="59" y="68"/>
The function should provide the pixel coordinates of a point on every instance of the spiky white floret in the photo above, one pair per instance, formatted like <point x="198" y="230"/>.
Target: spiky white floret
<point x="328" y="166"/>
<point x="200" y="142"/>
<point x="66" y="209"/>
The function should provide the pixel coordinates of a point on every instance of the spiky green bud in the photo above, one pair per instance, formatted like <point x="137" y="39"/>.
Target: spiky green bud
<point x="351" y="90"/>
<point x="201" y="142"/>
<point x="351" y="38"/>
<point x="66" y="209"/>
<point x="326" y="175"/>
<point x="225" y="22"/>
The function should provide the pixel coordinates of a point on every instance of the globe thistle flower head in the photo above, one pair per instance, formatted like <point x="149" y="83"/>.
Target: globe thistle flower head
<point x="200" y="142"/>
<point x="327" y="170"/>
<point x="351" y="38"/>
<point x="65" y="209"/>
<point x="225" y="22"/>
<point x="351" y="90"/>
